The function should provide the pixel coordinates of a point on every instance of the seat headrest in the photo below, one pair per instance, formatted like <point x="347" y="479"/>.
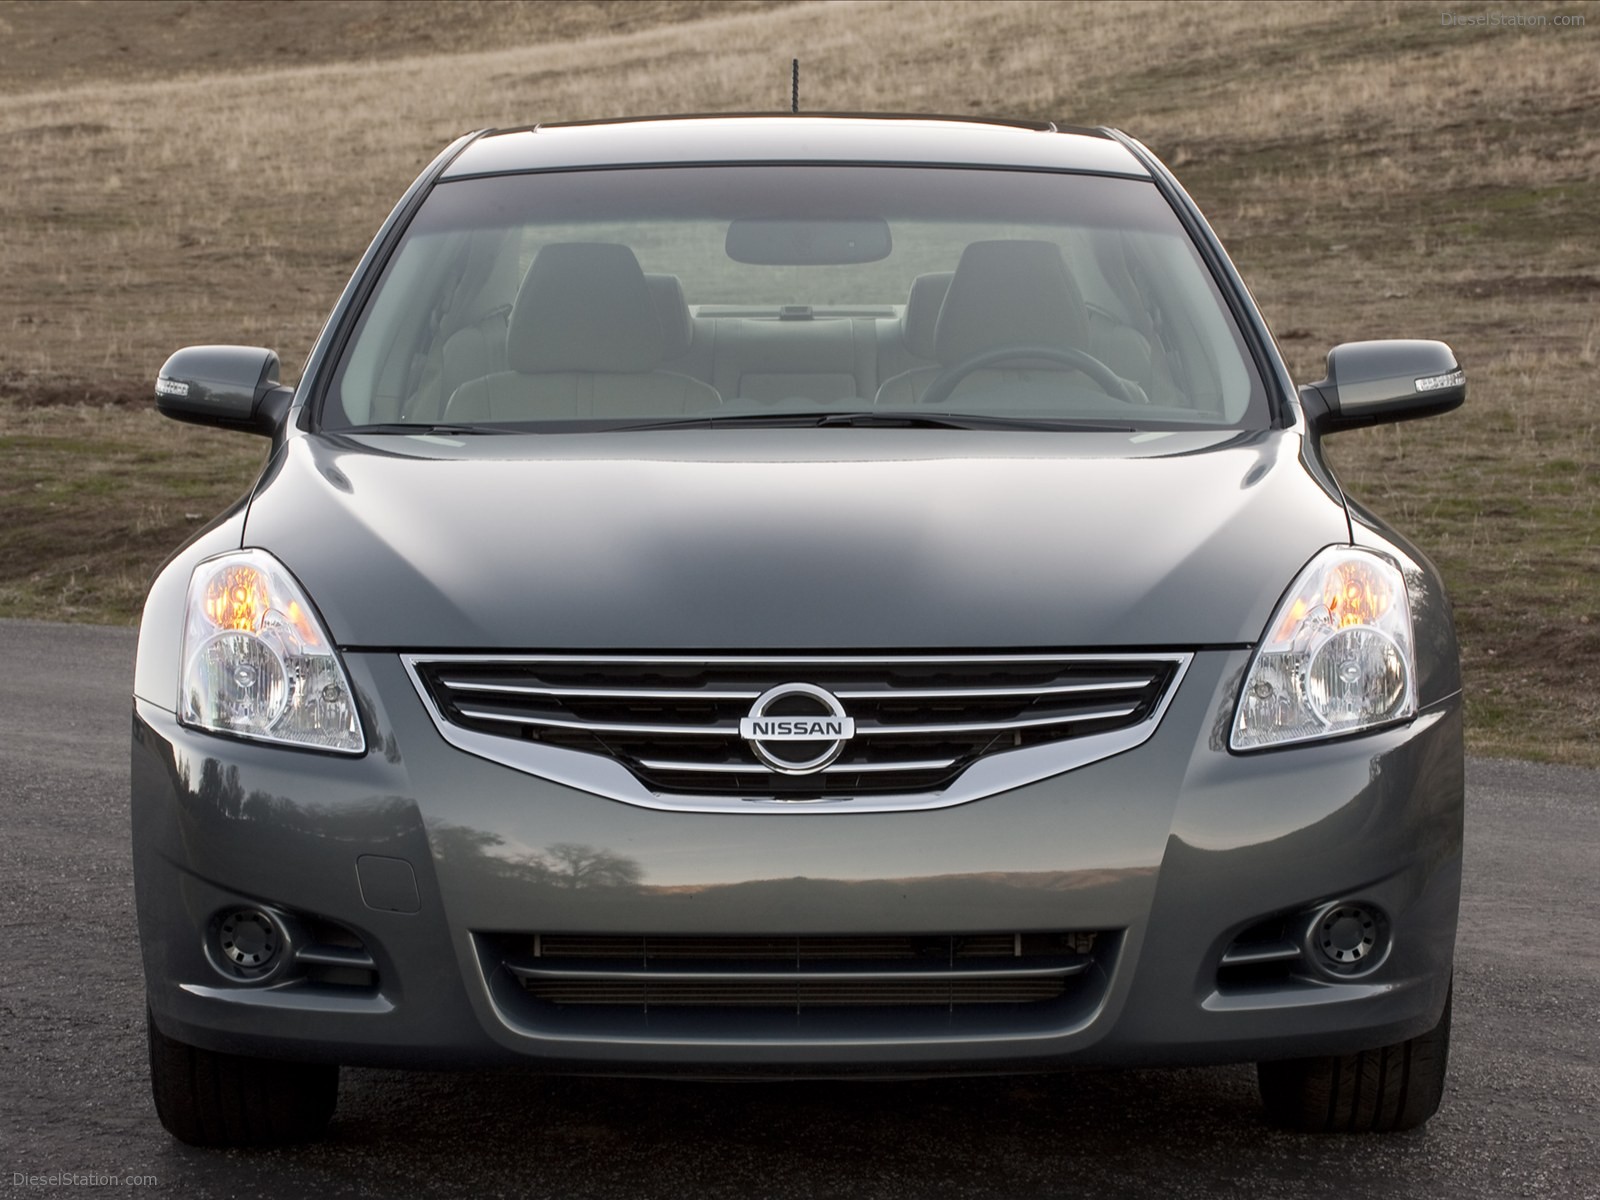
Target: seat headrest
<point x="672" y="310"/>
<point x="584" y="306"/>
<point x="922" y="312"/>
<point x="1010" y="293"/>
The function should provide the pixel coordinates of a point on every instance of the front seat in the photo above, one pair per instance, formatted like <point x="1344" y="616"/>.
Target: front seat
<point x="584" y="340"/>
<point x="1003" y="294"/>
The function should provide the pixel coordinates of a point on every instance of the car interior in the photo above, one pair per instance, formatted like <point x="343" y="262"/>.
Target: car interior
<point x="588" y="333"/>
<point x="563" y="330"/>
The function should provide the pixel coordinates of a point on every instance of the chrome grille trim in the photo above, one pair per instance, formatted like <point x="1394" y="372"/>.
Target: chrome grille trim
<point x="936" y="764"/>
<point x="863" y="729"/>
<point x="721" y="731"/>
<point x="804" y="660"/>
<point x="466" y="685"/>
<point x="1094" y="714"/>
<point x="1068" y="689"/>
<point x="991" y="768"/>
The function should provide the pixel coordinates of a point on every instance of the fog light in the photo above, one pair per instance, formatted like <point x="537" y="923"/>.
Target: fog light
<point x="1348" y="938"/>
<point x="249" y="943"/>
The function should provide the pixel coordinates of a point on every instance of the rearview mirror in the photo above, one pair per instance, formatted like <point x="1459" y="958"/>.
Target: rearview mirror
<point x="1370" y="383"/>
<point x="233" y="387"/>
<point x="809" y="242"/>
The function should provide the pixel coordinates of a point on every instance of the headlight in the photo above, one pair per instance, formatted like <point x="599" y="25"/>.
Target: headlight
<point x="1337" y="657"/>
<point x="257" y="661"/>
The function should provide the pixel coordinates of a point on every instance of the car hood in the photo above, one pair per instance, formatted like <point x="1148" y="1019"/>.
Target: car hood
<point x="829" y="539"/>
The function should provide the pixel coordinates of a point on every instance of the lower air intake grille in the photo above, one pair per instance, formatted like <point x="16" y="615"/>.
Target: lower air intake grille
<point x="649" y="973"/>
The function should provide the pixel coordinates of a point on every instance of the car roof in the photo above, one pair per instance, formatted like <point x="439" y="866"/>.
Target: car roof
<point x="789" y="138"/>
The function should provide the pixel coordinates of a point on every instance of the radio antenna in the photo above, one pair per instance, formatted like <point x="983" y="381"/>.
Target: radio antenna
<point x="794" y="95"/>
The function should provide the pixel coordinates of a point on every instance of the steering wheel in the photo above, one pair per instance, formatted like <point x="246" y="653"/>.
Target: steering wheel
<point x="945" y="382"/>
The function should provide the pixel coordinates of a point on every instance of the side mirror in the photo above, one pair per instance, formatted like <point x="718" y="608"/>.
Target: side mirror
<point x="233" y="387"/>
<point x="1371" y="383"/>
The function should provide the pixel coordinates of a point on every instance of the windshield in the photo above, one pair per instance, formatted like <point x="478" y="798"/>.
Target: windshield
<point x="734" y="295"/>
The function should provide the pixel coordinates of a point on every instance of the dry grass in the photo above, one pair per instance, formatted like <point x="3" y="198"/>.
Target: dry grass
<point x="53" y="43"/>
<point x="1372" y="171"/>
<point x="94" y="498"/>
<point x="149" y="214"/>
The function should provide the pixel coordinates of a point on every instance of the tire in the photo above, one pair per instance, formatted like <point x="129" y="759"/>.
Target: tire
<point x="1381" y="1091"/>
<point x="210" y="1099"/>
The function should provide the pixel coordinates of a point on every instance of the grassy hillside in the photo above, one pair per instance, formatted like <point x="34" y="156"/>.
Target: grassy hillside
<point x="1374" y="172"/>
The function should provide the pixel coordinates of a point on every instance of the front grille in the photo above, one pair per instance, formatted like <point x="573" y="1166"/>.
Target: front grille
<point x="919" y="722"/>
<point x="795" y="973"/>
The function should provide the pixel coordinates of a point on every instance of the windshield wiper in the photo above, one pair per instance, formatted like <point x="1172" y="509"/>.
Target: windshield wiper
<point x="893" y="419"/>
<point x="420" y="427"/>
<point x="908" y="420"/>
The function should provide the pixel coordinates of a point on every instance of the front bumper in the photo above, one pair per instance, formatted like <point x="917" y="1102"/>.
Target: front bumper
<point x="1171" y="851"/>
